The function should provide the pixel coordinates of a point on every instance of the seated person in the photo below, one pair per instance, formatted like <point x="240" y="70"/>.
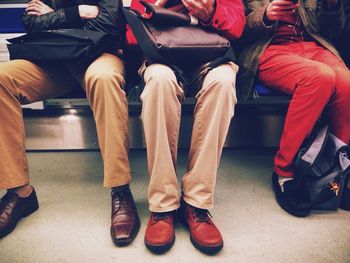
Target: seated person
<point x="286" y="49"/>
<point x="161" y="112"/>
<point x="23" y="81"/>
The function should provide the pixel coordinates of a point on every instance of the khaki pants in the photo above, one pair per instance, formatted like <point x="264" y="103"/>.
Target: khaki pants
<point x="23" y="82"/>
<point x="161" y="112"/>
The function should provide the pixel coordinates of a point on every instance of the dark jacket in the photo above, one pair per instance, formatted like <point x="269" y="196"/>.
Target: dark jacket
<point x="343" y="41"/>
<point x="66" y="15"/>
<point x="319" y="23"/>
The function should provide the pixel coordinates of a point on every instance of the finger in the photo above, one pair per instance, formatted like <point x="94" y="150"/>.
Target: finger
<point x="43" y="5"/>
<point x="283" y="9"/>
<point x="191" y="3"/>
<point x="161" y="2"/>
<point x="34" y="2"/>
<point x="33" y="8"/>
<point x="33" y="5"/>
<point x="192" y="6"/>
<point x="198" y="2"/>
<point x="289" y="12"/>
<point x="284" y="15"/>
<point x="283" y="3"/>
<point x="32" y="13"/>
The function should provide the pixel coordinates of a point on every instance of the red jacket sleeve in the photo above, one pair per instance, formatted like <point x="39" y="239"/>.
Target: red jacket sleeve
<point x="228" y="18"/>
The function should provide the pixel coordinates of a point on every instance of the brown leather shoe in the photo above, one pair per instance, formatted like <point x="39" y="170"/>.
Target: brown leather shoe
<point x="205" y="236"/>
<point x="13" y="208"/>
<point x="160" y="235"/>
<point x="125" y="220"/>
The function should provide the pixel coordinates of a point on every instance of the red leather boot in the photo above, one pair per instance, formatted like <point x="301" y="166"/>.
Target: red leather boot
<point x="205" y="236"/>
<point x="160" y="235"/>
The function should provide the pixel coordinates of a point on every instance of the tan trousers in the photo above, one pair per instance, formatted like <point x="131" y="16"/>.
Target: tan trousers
<point x="23" y="82"/>
<point x="161" y="113"/>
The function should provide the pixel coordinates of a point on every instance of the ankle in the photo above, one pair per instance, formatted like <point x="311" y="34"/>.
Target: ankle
<point x="171" y="213"/>
<point x="22" y="191"/>
<point x="120" y="188"/>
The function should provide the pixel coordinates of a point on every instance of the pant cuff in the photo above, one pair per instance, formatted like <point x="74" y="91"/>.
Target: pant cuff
<point x="14" y="184"/>
<point x="284" y="173"/>
<point x="198" y="205"/>
<point x="164" y="209"/>
<point x="115" y="183"/>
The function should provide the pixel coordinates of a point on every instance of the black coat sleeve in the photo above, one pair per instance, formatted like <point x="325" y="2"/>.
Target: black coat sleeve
<point x="67" y="17"/>
<point x="109" y="19"/>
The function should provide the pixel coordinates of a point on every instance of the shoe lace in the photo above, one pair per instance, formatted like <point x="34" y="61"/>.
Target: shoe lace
<point x="121" y="200"/>
<point x="4" y="201"/>
<point x="4" y="204"/>
<point x="202" y="215"/>
<point x="165" y="216"/>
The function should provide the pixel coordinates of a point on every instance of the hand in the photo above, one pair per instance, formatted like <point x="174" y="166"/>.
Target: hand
<point x="37" y="8"/>
<point x="161" y="3"/>
<point x="202" y="9"/>
<point x="281" y="10"/>
<point x="88" y="11"/>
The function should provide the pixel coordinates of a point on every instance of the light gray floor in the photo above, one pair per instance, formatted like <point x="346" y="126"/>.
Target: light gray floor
<point x="72" y="224"/>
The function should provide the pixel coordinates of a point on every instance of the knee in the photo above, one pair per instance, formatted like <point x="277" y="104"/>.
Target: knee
<point x="4" y="76"/>
<point x="103" y="80"/>
<point x="221" y="85"/>
<point x="320" y="82"/>
<point x="160" y="81"/>
<point x="7" y="81"/>
<point x="342" y="85"/>
<point x="323" y="77"/>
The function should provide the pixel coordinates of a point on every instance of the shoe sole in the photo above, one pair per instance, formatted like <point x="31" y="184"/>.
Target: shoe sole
<point x="286" y="207"/>
<point x="126" y="241"/>
<point x="159" y="249"/>
<point x="207" y="249"/>
<point x="26" y="213"/>
<point x="210" y="250"/>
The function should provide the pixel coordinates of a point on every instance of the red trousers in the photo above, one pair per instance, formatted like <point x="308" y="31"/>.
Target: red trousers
<point x="318" y="81"/>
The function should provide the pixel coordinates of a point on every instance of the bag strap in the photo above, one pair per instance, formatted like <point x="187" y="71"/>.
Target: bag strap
<point x="138" y="29"/>
<point x="146" y="45"/>
<point x="228" y="56"/>
<point x="151" y="51"/>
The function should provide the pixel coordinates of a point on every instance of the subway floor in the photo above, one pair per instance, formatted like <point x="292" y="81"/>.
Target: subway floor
<point x="72" y="224"/>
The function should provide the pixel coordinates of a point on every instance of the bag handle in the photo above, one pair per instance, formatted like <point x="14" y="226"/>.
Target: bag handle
<point x="158" y="15"/>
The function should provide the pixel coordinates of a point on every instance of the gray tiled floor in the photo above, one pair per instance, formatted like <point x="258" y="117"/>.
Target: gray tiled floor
<point x="72" y="224"/>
